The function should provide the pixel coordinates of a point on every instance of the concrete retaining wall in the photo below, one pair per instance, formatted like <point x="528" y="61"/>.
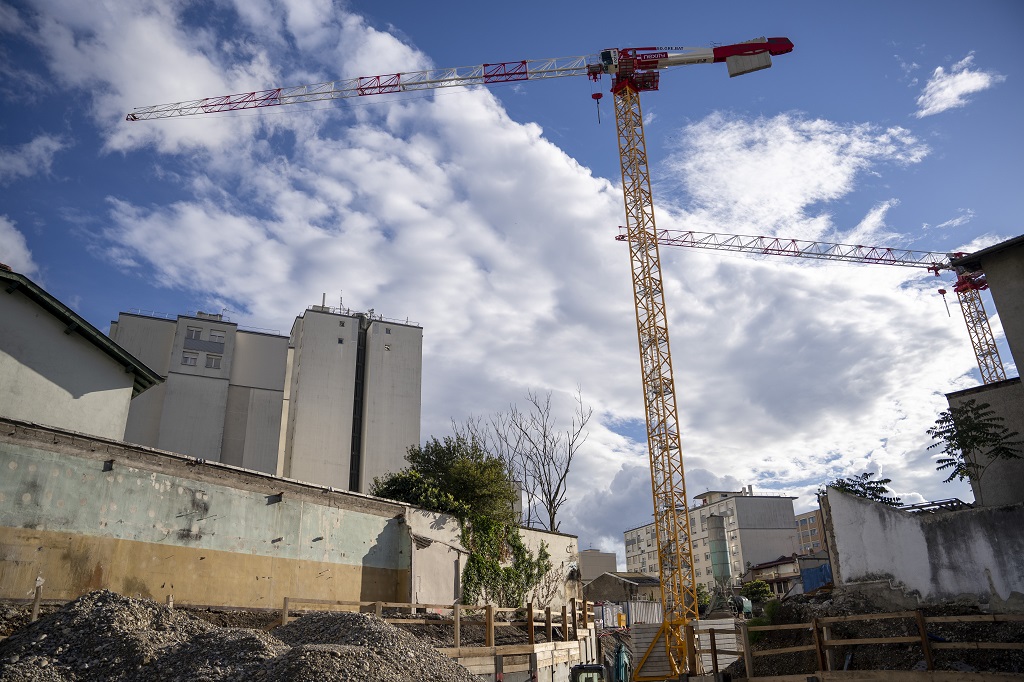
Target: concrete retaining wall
<point x="86" y="513"/>
<point x="972" y="554"/>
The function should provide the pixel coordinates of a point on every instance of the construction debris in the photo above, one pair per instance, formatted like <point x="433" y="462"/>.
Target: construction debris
<point x="106" y="637"/>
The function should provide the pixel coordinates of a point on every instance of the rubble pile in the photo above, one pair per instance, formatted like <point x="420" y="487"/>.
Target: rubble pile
<point x="904" y="656"/>
<point x="104" y="636"/>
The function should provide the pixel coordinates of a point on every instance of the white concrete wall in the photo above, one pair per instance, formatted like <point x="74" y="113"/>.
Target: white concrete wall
<point x="1005" y="274"/>
<point x="437" y="559"/>
<point x="558" y="586"/>
<point x="392" y="398"/>
<point x="974" y="553"/>
<point x="62" y="380"/>
<point x="193" y="418"/>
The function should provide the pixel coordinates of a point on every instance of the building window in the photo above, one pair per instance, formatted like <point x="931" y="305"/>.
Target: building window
<point x="213" y="361"/>
<point x="387" y="346"/>
<point x="814" y="531"/>
<point x="193" y="332"/>
<point x="341" y="323"/>
<point x="697" y="572"/>
<point x="189" y="359"/>
<point x="217" y="335"/>
<point x="814" y="520"/>
<point x="387" y="330"/>
<point x="341" y="340"/>
<point x="707" y="556"/>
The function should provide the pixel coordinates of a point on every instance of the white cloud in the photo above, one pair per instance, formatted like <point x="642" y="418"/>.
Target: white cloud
<point x="31" y="158"/>
<point x="14" y="250"/>
<point x="950" y="89"/>
<point x="965" y="216"/>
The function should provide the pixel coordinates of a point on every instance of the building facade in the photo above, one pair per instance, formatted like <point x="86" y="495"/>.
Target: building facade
<point x="336" y="403"/>
<point x="729" y="531"/>
<point x="352" y="403"/>
<point x="223" y="388"/>
<point x="59" y="370"/>
<point x="594" y="563"/>
<point x="810" y="530"/>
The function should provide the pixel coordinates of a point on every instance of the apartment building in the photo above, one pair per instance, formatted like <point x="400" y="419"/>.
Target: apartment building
<point x="729" y="530"/>
<point x="810" y="531"/>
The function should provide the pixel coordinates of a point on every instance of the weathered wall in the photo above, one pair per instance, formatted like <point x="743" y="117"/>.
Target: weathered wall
<point x="562" y="582"/>
<point x="1000" y="480"/>
<point x="51" y="377"/>
<point x="87" y="513"/>
<point x="973" y="553"/>
<point x="1004" y="271"/>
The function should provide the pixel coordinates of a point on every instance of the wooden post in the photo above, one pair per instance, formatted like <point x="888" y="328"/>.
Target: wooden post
<point x="378" y="609"/>
<point x="819" y="646"/>
<point x="924" y="640"/>
<point x="36" y="600"/>
<point x="826" y="634"/>
<point x="489" y="633"/>
<point x="457" y="613"/>
<point x="284" y="612"/>
<point x="547" y="622"/>
<point x="714" y="651"/>
<point x="530" y="615"/>
<point x="565" y="623"/>
<point x="499" y="669"/>
<point x="586" y="614"/>
<point x="572" y="608"/>
<point x="748" y="658"/>
<point x="689" y="636"/>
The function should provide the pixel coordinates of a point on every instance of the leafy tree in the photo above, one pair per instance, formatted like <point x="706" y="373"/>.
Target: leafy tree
<point x="703" y="596"/>
<point x="972" y="437"/>
<point x="456" y="476"/>
<point x="863" y="486"/>
<point x="757" y="591"/>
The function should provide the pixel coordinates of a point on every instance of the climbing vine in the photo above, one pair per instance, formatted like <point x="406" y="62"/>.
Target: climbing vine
<point x="500" y="568"/>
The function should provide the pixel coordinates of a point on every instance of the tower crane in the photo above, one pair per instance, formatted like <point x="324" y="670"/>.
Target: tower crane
<point x="632" y="71"/>
<point x="968" y="285"/>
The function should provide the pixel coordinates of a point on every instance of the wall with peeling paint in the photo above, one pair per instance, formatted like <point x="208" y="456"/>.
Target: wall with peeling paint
<point x="87" y="513"/>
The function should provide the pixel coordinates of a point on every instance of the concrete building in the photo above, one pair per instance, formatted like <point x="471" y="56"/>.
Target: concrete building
<point x="352" y="403"/>
<point x="749" y="528"/>
<point x="594" y="562"/>
<point x="336" y="403"/>
<point x="1003" y="265"/>
<point x="223" y="388"/>
<point x="810" y="531"/>
<point x="59" y="370"/>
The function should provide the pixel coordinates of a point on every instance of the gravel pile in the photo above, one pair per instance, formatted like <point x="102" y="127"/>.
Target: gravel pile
<point x="104" y="636"/>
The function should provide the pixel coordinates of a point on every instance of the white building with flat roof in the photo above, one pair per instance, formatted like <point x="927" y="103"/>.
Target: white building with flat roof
<point x="753" y="529"/>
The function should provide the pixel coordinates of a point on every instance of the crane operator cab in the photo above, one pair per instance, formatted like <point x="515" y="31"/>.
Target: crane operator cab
<point x="589" y="672"/>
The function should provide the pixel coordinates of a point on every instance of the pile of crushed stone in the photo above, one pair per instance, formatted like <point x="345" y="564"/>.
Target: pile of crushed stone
<point x="104" y="636"/>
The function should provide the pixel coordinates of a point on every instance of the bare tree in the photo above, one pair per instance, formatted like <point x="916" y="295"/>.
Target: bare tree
<point x="536" y="453"/>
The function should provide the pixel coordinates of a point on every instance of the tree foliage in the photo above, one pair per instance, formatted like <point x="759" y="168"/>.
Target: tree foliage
<point x="864" y="486"/>
<point x="757" y="591"/>
<point x="972" y="436"/>
<point x="703" y="596"/>
<point x="457" y="476"/>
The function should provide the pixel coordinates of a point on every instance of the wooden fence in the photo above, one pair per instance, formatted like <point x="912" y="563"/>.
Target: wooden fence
<point x="571" y="618"/>
<point x="822" y="642"/>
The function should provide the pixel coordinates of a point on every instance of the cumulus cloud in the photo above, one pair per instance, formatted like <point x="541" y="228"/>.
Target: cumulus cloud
<point x="951" y="89"/>
<point x="14" y="250"/>
<point x="32" y="158"/>
<point x="777" y="175"/>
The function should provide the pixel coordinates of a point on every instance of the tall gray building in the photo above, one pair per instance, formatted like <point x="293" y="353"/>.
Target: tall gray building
<point x="336" y="403"/>
<point x="222" y="393"/>
<point x="352" y="404"/>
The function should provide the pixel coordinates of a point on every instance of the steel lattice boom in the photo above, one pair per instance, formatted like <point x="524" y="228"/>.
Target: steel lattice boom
<point x="968" y="285"/>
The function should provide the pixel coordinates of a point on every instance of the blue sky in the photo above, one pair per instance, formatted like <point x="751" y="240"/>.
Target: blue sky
<point x="488" y="216"/>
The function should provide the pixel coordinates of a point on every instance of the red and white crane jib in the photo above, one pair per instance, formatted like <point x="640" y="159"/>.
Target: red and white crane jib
<point x="613" y="62"/>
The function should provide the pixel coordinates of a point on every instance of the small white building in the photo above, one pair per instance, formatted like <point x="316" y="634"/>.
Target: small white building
<point x="57" y="369"/>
